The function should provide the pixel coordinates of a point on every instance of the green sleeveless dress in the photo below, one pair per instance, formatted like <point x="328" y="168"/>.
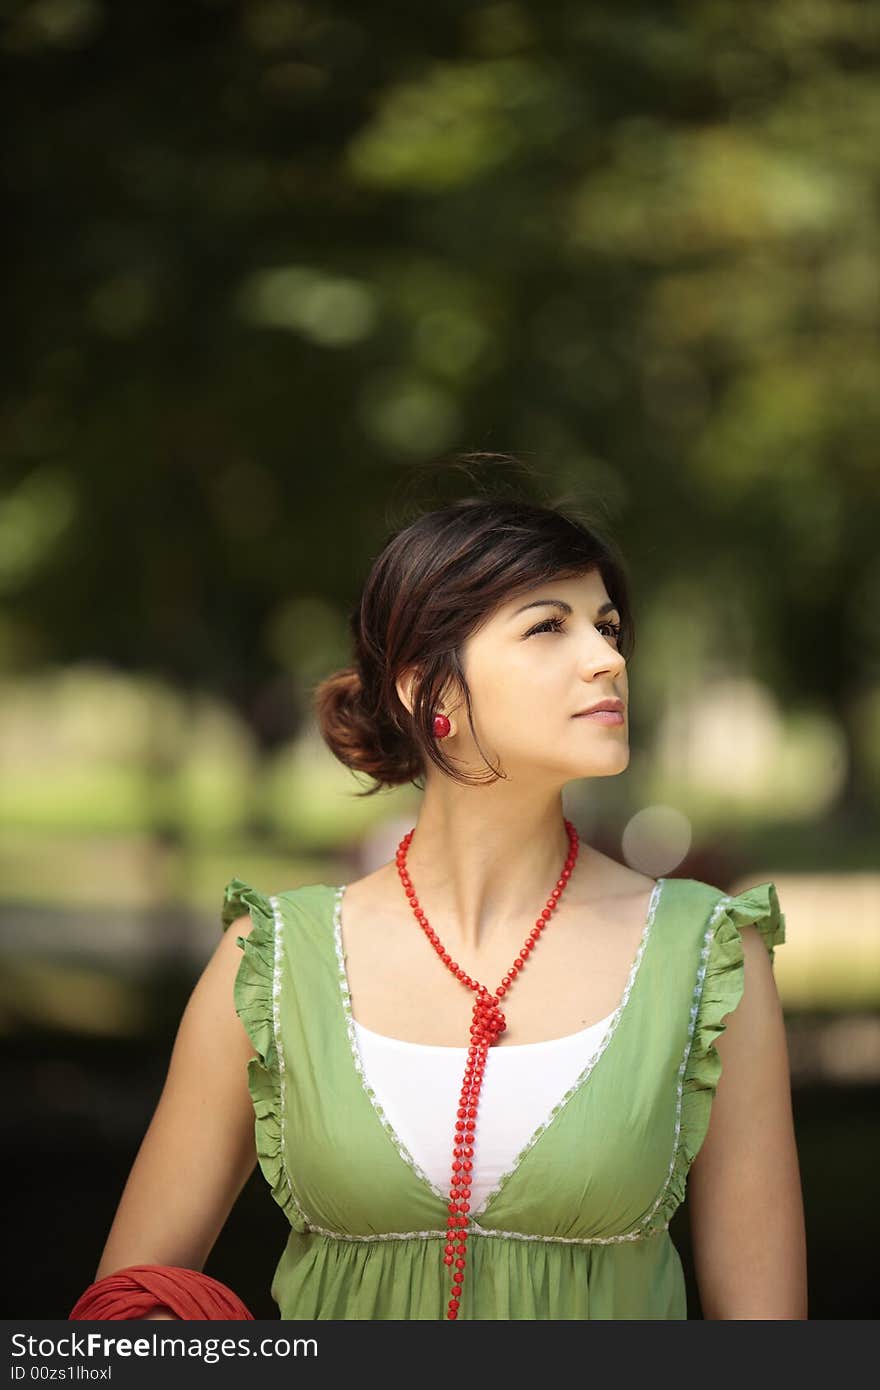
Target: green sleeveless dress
<point x="577" y="1228"/>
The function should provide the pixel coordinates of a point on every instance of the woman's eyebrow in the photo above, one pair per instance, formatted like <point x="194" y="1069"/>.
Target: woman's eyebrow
<point x="560" y="603"/>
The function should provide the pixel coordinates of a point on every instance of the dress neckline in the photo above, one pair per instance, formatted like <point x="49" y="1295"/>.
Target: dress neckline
<point x="336" y="894"/>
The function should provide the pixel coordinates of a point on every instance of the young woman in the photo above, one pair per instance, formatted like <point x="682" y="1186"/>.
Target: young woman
<point x="480" y="1077"/>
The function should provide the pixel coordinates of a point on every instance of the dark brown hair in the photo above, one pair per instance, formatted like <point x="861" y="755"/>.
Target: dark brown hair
<point x="433" y="584"/>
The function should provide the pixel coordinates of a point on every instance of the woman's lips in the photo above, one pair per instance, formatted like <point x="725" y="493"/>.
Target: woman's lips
<point x="603" y="716"/>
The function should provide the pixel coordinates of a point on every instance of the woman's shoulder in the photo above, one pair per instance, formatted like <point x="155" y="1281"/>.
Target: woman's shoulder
<point x="728" y="913"/>
<point x="267" y="910"/>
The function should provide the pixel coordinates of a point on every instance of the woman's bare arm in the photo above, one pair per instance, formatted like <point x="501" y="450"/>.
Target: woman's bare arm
<point x="200" y="1148"/>
<point x="744" y="1188"/>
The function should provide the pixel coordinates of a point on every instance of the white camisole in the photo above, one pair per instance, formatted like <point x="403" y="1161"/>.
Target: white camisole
<point x="418" y="1085"/>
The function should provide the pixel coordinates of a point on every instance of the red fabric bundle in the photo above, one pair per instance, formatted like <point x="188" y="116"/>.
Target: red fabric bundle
<point x="137" y="1290"/>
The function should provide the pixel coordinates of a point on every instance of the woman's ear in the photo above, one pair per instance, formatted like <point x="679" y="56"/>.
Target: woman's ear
<point x="405" y="686"/>
<point x="407" y="689"/>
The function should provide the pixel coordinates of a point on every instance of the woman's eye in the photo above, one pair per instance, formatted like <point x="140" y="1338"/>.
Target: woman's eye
<point x="549" y="625"/>
<point x="555" y="625"/>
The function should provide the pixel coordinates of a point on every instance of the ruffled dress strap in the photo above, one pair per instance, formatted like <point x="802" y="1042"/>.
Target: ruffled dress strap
<point x="719" y="988"/>
<point x="255" y="992"/>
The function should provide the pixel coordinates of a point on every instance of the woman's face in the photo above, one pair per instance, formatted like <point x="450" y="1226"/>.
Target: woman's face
<point x="530" y="669"/>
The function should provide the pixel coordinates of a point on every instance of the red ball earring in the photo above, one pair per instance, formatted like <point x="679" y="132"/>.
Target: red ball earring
<point x="441" y="725"/>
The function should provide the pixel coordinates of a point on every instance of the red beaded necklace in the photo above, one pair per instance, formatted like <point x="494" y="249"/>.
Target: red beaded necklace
<point x="488" y="1023"/>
